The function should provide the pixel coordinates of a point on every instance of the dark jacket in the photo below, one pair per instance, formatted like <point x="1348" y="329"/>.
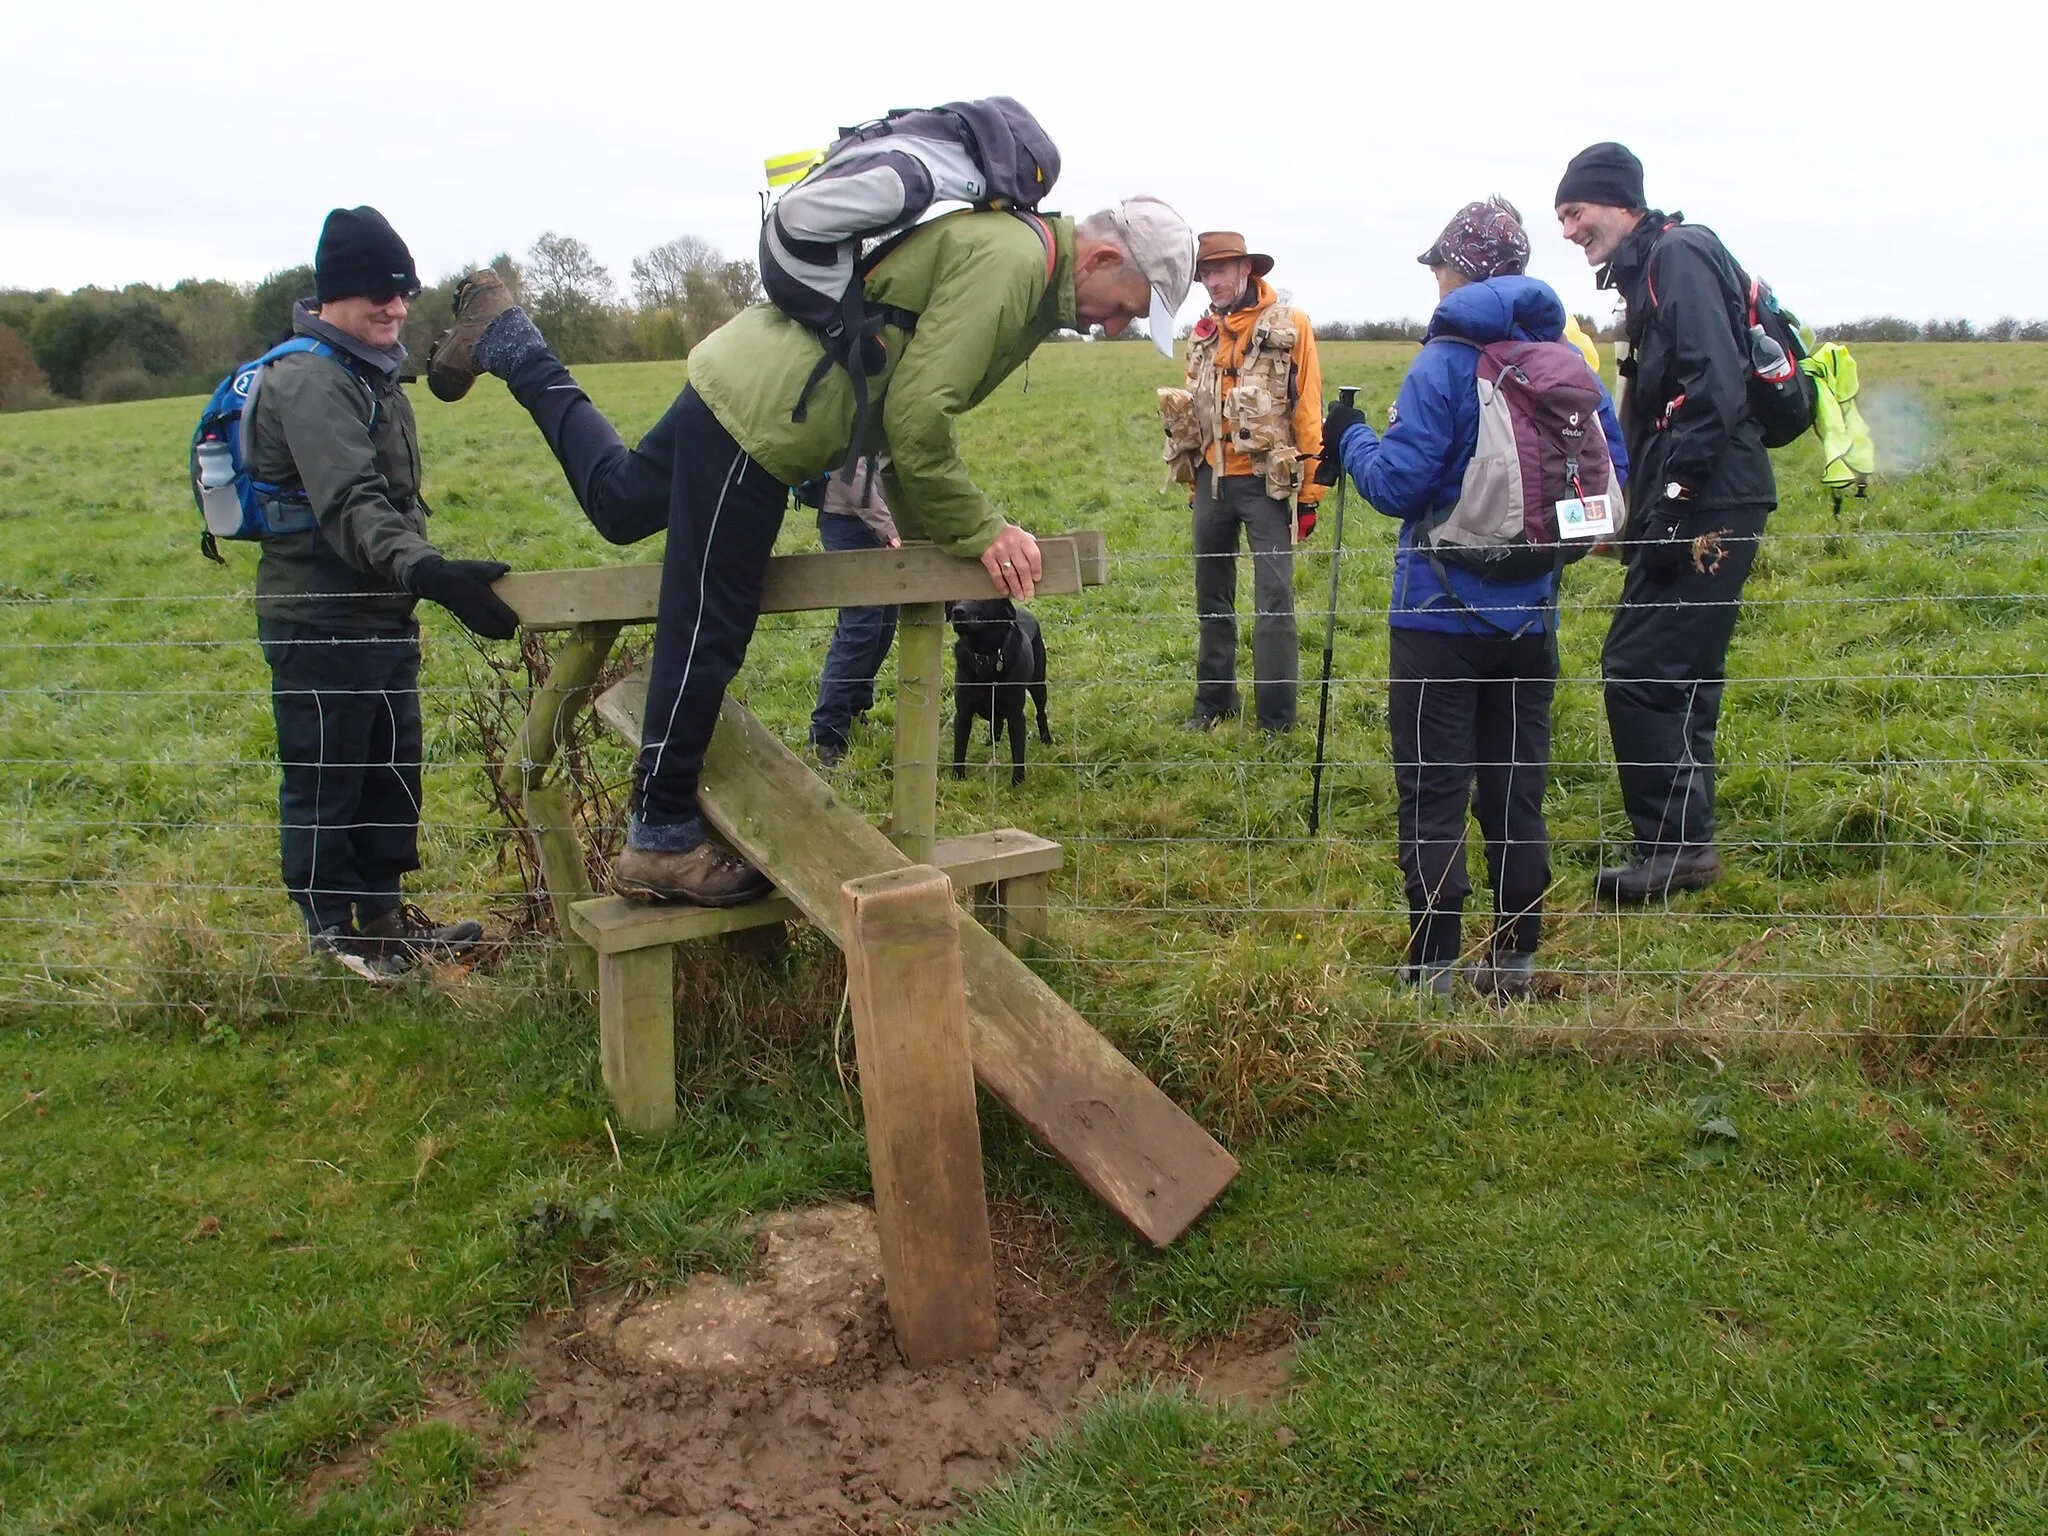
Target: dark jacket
<point x="1686" y="408"/>
<point x="1419" y="466"/>
<point x="345" y="432"/>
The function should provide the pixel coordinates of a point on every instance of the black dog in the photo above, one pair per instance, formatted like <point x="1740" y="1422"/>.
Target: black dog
<point x="998" y="658"/>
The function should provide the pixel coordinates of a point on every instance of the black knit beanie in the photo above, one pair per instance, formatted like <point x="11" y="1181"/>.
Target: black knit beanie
<point x="1603" y="173"/>
<point x="361" y="254"/>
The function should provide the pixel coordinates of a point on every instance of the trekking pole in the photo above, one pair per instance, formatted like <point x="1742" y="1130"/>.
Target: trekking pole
<point x="1348" y="393"/>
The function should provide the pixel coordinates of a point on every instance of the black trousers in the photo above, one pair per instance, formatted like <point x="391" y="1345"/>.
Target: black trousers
<point x="1470" y="712"/>
<point x="721" y="511"/>
<point x="348" y="740"/>
<point x="1221" y="509"/>
<point x="1664" y="666"/>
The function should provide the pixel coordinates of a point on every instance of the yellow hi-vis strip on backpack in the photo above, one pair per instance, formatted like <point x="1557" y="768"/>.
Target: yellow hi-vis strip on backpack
<point x="787" y="170"/>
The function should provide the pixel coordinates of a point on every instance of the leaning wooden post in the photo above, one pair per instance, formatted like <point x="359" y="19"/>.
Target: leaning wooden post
<point x="903" y="972"/>
<point x="550" y="816"/>
<point x="920" y="692"/>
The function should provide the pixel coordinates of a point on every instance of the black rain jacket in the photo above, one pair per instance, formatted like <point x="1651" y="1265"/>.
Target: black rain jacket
<point x="1687" y="414"/>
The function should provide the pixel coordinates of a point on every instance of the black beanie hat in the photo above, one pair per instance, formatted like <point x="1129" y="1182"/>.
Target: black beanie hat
<point x="361" y="254"/>
<point x="1603" y="173"/>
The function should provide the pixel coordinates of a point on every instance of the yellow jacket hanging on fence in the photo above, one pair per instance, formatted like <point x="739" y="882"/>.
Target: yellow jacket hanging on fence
<point x="1254" y="401"/>
<point x="1849" y="459"/>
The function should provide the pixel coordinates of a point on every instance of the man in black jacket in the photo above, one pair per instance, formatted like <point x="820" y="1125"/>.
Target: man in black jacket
<point x="346" y="563"/>
<point x="1699" y="491"/>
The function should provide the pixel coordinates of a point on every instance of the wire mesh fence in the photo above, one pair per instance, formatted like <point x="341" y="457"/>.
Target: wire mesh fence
<point x="1880" y="789"/>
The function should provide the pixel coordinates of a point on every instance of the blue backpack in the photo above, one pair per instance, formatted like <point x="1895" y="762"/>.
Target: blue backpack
<point x="232" y="502"/>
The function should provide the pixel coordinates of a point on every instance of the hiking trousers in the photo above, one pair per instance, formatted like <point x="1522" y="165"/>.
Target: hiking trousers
<point x="1664" y="668"/>
<point x="1470" y="713"/>
<point x="721" y="511"/>
<point x="348" y="746"/>
<point x="860" y="644"/>
<point x="1223" y="507"/>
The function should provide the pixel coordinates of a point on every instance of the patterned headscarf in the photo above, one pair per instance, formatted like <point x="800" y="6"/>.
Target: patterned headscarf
<point x="1482" y="240"/>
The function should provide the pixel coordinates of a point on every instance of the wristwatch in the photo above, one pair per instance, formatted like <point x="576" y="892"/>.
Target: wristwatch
<point x="1673" y="491"/>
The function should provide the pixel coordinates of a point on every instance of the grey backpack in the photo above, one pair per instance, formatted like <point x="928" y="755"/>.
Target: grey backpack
<point x="1539" y="492"/>
<point x="878" y="179"/>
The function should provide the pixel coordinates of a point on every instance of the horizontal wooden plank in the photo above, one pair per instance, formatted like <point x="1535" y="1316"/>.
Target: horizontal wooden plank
<point x="1127" y="1141"/>
<point x="916" y="573"/>
<point x="612" y="924"/>
<point x="979" y="857"/>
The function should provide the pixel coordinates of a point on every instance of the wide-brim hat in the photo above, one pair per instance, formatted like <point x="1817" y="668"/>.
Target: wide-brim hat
<point x="1228" y="245"/>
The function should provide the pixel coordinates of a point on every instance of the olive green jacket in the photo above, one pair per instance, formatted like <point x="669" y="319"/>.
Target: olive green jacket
<point x="345" y="432"/>
<point x="978" y="284"/>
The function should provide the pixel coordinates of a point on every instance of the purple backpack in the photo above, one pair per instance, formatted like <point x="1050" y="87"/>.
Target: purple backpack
<point x="1539" y="492"/>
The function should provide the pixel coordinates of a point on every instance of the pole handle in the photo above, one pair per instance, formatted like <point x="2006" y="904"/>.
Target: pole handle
<point x="1348" y="393"/>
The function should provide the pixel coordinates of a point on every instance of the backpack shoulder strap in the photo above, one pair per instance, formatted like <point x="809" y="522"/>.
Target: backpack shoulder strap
<point x="1044" y="232"/>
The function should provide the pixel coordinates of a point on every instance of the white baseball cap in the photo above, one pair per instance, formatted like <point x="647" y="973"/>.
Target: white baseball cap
<point x="1163" y="247"/>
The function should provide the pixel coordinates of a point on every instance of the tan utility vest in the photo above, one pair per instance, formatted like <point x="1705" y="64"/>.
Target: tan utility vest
<point x="1249" y="407"/>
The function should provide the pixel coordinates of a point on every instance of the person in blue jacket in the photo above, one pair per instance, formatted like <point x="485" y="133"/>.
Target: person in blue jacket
<point x="1473" y="659"/>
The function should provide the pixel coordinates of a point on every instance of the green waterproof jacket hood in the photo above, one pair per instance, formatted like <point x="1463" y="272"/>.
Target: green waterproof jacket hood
<point x="978" y="284"/>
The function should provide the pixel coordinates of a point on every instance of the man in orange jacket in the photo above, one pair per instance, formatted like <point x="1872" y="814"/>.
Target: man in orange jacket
<point x="1256" y="395"/>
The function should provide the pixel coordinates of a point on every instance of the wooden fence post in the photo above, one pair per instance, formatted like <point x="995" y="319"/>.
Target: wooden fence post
<point x="920" y="700"/>
<point x="903" y="971"/>
<point x="550" y="816"/>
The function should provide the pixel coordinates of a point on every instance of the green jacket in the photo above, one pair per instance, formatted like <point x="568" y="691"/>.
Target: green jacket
<point x="977" y="283"/>
<point x="346" y="433"/>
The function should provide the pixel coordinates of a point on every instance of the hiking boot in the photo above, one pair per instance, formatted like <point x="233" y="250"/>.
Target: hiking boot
<point x="452" y="365"/>
<point x="406" y="933"/>
<point x="1506" y="974"/>
<point x="1655" y="876"/>
<point x="709" y="875"/>
<point x="341" y="945"/>
<point x="1433" y="980"/>
<point x="830" y="753"/>
<point x="1205" y="720"/>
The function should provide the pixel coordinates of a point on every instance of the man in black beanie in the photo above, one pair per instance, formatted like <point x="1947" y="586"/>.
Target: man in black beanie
<point x="329" y="427"/>
<point x="1699" y="491"/>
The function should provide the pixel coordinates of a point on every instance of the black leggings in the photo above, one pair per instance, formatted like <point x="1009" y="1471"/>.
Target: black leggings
<point x="721" y="511"/>
<point x="1465" y="709"/>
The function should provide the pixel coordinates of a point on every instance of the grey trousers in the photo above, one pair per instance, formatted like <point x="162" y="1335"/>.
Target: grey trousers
<point x="1221" y="508"/>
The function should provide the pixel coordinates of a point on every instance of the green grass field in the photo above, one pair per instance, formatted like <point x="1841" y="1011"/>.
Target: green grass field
<point x="252" y="1215"/>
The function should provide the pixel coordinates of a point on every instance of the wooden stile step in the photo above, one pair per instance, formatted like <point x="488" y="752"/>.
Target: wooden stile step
<point x="613" y="924"/>
<point x="1127" y="1141"/>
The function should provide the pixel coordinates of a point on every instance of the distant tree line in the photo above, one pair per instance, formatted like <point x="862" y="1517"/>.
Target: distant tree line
<point x="99" y="345"/>
<point x="1370" y="330"/>
<point x="1892" y="328"/>
<point x="1875" y="328"/>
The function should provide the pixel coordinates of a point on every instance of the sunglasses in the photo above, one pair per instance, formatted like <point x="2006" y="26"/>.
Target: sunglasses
<point x="384" y="294"/>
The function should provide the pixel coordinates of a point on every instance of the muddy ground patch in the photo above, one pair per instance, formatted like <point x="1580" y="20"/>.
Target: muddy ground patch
<point x="782" y="1405"/>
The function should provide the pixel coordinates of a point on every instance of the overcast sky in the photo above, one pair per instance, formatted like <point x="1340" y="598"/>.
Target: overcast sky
<point x="1864" y="159"/>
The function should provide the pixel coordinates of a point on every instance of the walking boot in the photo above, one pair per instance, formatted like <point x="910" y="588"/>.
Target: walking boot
<point x="408" y="934"/>
<point x="1506" y="974"/>
<point x="452" y="364"/>
<point x="1654" y="876"/>
<point x="341" y="945"/>
<point x="709" y="875"/>
<point x="1431" y="980"/>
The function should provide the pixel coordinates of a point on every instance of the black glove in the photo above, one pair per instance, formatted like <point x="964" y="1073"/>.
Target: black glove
<point x="1338" y="420"/>
<point x="463" y="587"/>
<point x="1666" y="540"/>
